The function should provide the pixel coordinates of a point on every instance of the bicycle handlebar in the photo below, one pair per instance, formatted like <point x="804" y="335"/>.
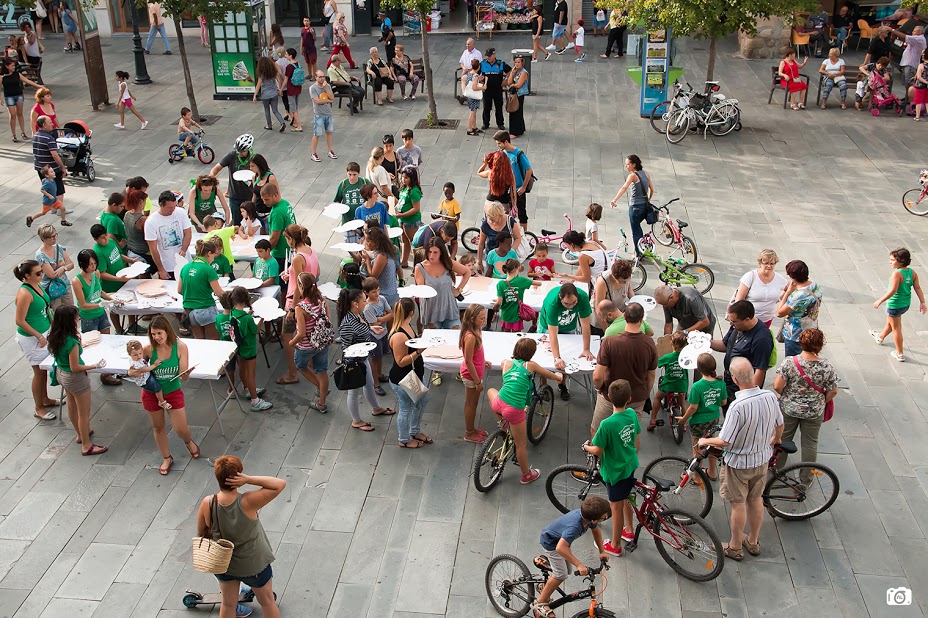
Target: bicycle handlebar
<point x="594" y="571"/>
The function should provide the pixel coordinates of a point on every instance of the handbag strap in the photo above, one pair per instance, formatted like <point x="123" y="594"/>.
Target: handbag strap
<point x="214" y="514"/>
<point x="644" y="187"/>
<point x="806" y="378"/>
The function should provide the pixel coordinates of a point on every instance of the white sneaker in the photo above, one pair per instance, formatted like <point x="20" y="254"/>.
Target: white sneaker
<point x="876" y="337"/>
<point x="119" y="126"/>
<point x="570" y="46"/>
<point x="534" y="60"/>
<point x="899" y="357"/>
<point x="144" y="124"/>
<point x="550" y="47"/>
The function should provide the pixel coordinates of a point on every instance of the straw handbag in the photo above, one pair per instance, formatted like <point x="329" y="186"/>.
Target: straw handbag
<point x="211" y="556"/>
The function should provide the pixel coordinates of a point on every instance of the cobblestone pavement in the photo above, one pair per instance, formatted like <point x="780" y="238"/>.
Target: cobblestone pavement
<point x="368" y="529"/>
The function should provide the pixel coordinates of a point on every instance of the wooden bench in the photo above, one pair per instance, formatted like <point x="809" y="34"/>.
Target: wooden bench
<point x="776" y="85"/>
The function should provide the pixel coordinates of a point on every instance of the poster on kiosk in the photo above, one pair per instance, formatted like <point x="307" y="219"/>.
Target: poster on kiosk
<point x="655" y="69"/>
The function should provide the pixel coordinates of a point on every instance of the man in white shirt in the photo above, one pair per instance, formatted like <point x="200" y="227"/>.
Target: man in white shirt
<point x="469" y="54"/>
<point x="168" y="233"/>
<point x="911" y="55"/>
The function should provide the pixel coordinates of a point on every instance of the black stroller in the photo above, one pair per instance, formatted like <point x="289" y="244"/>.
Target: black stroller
<point x="74" y="148"/>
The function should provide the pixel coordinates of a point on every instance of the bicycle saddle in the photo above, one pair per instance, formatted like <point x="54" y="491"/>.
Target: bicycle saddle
<point x="682" y="224"/>
<point x="542" y="563"/>
<point x="661" y="484"/>
<point x="547" y="232"/>
<point x="786" y="447"/>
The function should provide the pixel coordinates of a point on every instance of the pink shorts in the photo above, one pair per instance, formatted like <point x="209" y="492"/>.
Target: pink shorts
<point x="511" y="327"/>
<point x="127" y="102"/>
<point x="513" y="415"/>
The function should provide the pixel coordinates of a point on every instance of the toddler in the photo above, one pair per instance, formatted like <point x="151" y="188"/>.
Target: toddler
<point x="541" y="267"/>
<point x="470" y="261"/>
<point x="142" y="371"/>
<point x="50" y="201"/>
<point x="578" y="41"/>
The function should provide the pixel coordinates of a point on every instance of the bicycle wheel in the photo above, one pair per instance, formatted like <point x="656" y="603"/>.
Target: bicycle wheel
<point x="490" y="461"/>
<point x="532" y="239"/>
<point x="646" y="244"/>
<point x="470" y="238"/>
<point x="916" y="202"/>
<point x="509" y="586"/>
<point x="678" y="430"/>
<point x="570" y="258"/>
<point x="206" y="155"/>
<point x="703" y="275"/>
<point x="801" y="491"/>
<point x="598" y="612"/>
<point x="569" y="485"/>
<point x="696" y="496"/>
<point x="662" y="233"/>
<point x="659" y="116"/>
<point x="688" y="545"/>
<point x="175" y="152"/>
<point x="639" y="277"/>
<point x="678" y="125"/>
<point x="688" y="246"/>
<point x="722" y="120"/>
<point x="540" y="414"/>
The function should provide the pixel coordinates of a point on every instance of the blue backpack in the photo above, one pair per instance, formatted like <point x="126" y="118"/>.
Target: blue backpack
<point x="299" y="76"/>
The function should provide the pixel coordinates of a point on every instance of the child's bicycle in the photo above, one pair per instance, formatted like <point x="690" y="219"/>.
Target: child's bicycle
<point x="684" y="540"/>
<point x="672" y="404"/>
<point x="916" y="200"/>
<point x="470" y="238"/>
<point x="798" y="491"/>
<point x="674" y="271"/>
<point x="499" y="447"/>
<point x="177" y="152"/>
<point x="511" y="587"/>
<point x="667" y="231"/>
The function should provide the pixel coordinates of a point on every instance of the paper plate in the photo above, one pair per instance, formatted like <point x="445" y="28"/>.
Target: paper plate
<point x="133" y="270"/>
<point x="123" y="295"/>
<point x="688" y="356"/>
<point x="421" y="343"/>
<point x="646" y="302"/>
<point x="360" y="349"/>
<point x="249" y="283"/>
<point x="394" y="232"/>
<point x="352" y="225"/>
<point x="335" y="210"/>
<point x="265" y="303"/>
<point x="243" y="175"/>
<point x="351" y="247"/>
<point x="224" y="281"/>
<point x="417" y="291"/>
<point x="330" y="290"/>
<point x="90" y="337"/>
<point x="269" y="315"/>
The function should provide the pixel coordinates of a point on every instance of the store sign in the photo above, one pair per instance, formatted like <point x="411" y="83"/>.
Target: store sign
<point x="11" y="16"/>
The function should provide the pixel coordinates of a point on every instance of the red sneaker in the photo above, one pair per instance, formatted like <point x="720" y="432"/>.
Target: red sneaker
<point x="628" y="537"/>
<point x="609" y="549"/>
<point x="531" y="476"/>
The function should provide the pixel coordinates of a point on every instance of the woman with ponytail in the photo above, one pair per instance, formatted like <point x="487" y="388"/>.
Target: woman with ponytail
<point x="406" y="359"/>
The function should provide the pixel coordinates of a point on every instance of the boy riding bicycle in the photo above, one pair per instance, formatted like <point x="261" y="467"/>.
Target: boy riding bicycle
<point x="556" y="539"/>
<point x="185" y="132"/>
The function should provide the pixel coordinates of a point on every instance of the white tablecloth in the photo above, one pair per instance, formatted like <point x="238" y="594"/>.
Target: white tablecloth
<point x="498" y="347"/>
<point x="242" y="250"/>
<point x="483" y="292"/>
<point x="208" y="355"/>
<point x="172" y="302"/>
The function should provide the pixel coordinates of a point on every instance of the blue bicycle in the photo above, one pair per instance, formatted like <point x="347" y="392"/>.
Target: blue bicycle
<point x="177" y="152"/>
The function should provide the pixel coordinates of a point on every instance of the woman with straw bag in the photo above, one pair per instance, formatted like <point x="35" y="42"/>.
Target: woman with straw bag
<point x="233" y="516"/>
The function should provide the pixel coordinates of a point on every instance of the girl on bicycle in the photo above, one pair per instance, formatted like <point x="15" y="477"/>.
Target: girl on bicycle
<point x="899" y="297"/>
<point x="510" y="401"/>
<point x="473" y="368"/>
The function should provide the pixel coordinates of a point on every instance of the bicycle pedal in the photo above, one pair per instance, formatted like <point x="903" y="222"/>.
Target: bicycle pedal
<point x="659" y="422"/>
<point x="630" y="547"/>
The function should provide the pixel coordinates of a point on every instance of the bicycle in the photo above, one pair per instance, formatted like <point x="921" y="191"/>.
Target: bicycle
<point x="672" y="404"/>
<point x="500" y="447"/>
<point x="687" y="534"/>
<point x="511" y="587"/>
<point x="674" y="271"/>
<point x="177" y="152"/>
<point x="667" y="232"/>
<point x="710" y="111"/>
<point x="470" y="238"/>
<point x="916" y="200"/>
<point x="812" y="487"/>
<point x="661" y="112"/>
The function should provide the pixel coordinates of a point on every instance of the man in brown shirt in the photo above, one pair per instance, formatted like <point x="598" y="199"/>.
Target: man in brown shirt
<point x="630" y="356"/>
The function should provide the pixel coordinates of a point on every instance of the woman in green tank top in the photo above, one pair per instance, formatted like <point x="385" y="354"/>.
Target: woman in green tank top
<point x="898" y="298"/>
<point x="89" y="297"/>
<point x="33" y="322"/>
<point x="510" y="401"/>
<point x="164" y="345"/>
<point x="233" y="515"/>
<point x="202" y="201"/>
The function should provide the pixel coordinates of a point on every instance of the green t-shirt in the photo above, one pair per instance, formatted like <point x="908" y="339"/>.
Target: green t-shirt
<point x="555" y="314"/>
<point x="618" y="327"/>
<point x="511" y="292"/>
<point x="265" y="269"/>
<point x="350" y="195"/>
<point x="91" y="296"/>
<point x="223" y="328"/>
<point x="249" y="333"/>
<point x="222" y="266"/>
<point x="226" y="234"/>
<point x="114" y="225"/>
<point x="62" y="356"/>
<point x="674" y="379"/>
<point x="517" y="385"/>
<point x="168" y="372"/>
<point x="195" y="278"/>
<point x="496" y="260"/>
<point x="109" y="261"/>
<point x="616" y="436"/>
<point x="281" y="216"/>
<point x="708" y="396"/>
<point x="407" y="198"/>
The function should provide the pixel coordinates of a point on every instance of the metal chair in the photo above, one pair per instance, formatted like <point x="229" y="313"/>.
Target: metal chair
<point x="775" y="78"/>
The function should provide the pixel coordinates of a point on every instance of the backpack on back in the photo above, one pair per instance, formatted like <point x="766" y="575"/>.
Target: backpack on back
<point x="299" y="76"/>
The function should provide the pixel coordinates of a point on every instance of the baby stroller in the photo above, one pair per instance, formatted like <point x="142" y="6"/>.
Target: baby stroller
<point x="74" y="148"/>
<point x="882" y="97"/>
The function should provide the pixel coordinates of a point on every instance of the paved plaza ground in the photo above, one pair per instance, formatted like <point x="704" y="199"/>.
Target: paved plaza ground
<point x="367" y="529"/>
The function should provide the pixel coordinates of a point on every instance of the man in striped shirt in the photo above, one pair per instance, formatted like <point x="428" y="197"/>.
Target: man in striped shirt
<point x="752" y="426"/>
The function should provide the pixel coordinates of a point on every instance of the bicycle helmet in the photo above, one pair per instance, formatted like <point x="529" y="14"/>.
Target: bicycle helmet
<point x="244" y="142"/>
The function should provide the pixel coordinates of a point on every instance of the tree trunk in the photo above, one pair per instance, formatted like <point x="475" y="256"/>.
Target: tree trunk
<point x="188" y="82"/>
<point x="710" y="69"/>
<point x="427" y="67"/>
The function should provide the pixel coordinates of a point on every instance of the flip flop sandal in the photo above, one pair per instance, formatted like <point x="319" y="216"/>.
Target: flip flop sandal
<point x="95" y="449"/>
<point x="194" y="454"/>
<point x="652" y="426"/>
<point x="418" y="444"/>
<point x="478" y="440"/>
<point x="754" y="549"/>
<point x="78" y="439"/>
<point x="735" y="554"/>
<point x="386" y="412"/>
<point x="164" y="471"/>
<point x="282" y="382"/>
<point x="48" y="416"/>
<point x="364" y="427"/>
<point x="425" y="439"/>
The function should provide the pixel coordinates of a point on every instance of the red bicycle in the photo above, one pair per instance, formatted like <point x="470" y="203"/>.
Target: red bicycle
<point x="916" y="200"/>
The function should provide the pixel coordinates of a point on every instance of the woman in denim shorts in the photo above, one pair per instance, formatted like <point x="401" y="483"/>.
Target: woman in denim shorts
<point x="13" y="98"/>
<point x="311" y="314"/>
<point x="197" y="284"/>
<point x="89" y="297"/>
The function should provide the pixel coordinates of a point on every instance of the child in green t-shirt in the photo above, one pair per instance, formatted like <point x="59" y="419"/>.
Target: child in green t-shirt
<point x="244" y="332"/>
<point x="509" y="295"/>
<point x="220" y="264"/>
<point x="265" y="267"/>
<point x="706" y="399"/>
<point x="616" y="443"/>
<point x="224" y="328"/>
<point x="674" y="380"/>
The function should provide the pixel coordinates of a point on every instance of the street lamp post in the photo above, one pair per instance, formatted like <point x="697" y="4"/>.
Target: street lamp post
<point x="141" y="71"/>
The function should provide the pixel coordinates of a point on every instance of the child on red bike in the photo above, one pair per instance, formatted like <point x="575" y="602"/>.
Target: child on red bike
<point x="674" y="381"/>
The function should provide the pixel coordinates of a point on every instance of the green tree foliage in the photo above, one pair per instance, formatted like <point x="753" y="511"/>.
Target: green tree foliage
<point x="422" y="9"/>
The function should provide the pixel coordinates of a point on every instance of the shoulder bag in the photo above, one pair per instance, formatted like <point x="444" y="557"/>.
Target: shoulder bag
<point x="526" y="313"/>
<point x="523" y="169"/>
<point x="829" y="405"/>
<point x="651" y="215"/>
<point x="351" y="374"/>
<point x="56" y="288"/>
<point x="470" y="93"/>
<point x="209" y="555"/>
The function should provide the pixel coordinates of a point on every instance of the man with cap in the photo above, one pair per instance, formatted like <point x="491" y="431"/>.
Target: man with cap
<point x="495" y="71"/>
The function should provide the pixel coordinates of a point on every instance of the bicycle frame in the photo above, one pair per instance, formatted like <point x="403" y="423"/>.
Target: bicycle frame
<point x="673" y="274"/>
<point x="649" y="515"/>
<point x="550" y="239"/>
<point x="587" y="593"/>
